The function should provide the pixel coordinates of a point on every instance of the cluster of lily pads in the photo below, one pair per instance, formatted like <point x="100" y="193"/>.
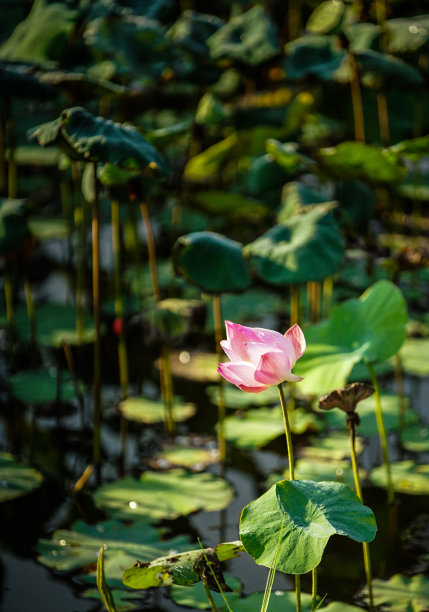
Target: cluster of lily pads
<point x="162" y="170"/>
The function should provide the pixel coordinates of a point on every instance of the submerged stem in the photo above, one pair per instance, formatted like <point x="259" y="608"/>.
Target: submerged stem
<point x="382" y="435"/>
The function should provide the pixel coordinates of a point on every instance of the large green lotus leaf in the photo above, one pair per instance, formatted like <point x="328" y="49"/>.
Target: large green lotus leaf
<point x="43" y="35"/>
<point x="287" y="155"/>
<point x="160" y="495"/>
<point x="315" y="56"/>
<point x="254" y="428"/>
<point x="369" y="329"/>
<point x="407" y="476"/>
<point x="13" y="225"/>
<point x="414" y="356"/>
<point x="211" y="261"/>
<point x="40" y="386"/>
<point x="183" y="569"/>
<point x="250" y="38"/>
<point x="124" y="600"/>
<point x="320" y="470"/>
<point x="96" y="139"/>
<point x="406" y="35"/>
<point x="366" y="410"/>
<point x="305" y="247"/>
<point x="70" y="550"/>
<point x="265" y="179"/>
<point x="192" y="29"/>
<point x="296" y="196"/>
<point x="55" y="324"/>
<point x="236" y="398"/>
<point x="416" y="438"/>
<point x="16" y="478"/>
<point x="402" y="593"/>
<point x="356" y="160"/>
<point x="306" y="514"/>
<point x="363" y="35"/>
<point x="145" y="410"/>
<point x="195" y="596"/>
<point x="380" y="69"/>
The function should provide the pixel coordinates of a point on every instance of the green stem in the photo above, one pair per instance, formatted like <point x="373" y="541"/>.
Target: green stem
<point x="288" y="433"/>
<point x="328" y="289"/>
<point x="168" y="390"/>
<point x="383" y="118"/>
<point x="357" y="106"/>
<point x="358" y="489"/>
<point x="119" y="306"/>
<point x="209" y="596"/>
<point x="400" y="389"/>
<point x="151" y="250"/>
<point x="217" y="317"/>
<point x="12" y="170"/>
<point x="102" y="585"/>
<point x="298" y="592"/>
<point x="382" y="435"/>
<point x="79" y="222"/>
<point x="314" y="589"/>
<point x="96" y="314"/>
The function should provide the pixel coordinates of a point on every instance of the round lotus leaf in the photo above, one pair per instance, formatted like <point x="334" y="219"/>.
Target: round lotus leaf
<point x="369" y="329"/>
<point x="416" y="438"/>
<point x="414" y="356"/>
<point x="196" y="366"/>
<point x="313" y="56"/>
<point x="408" y="477"/>
<point x="192" y="29"/>
<point x="287" y="155"/>
<point x="402" y="593"/>
<point x="380" y="69"/>
<point x="302" y="515"/>
<point x="407" y="35"/>
<point x="159" y="495"/>
<point x="326" y="18"/>
<point x="340" y="606"/>
<point x="250" y="38"/>
<point x="254" y="428"/>
<point x="144" y="410"/>
<point x="40" y="387"/>
<point x="195" y="596"/>
<point x="321" y="470"/>
<point x="306" y="247"/>
<point x="43" y="35"/>
<point x="13" y="226"/>
<point x="296" y="196"/>
<point x="211" y="261"/>
<point x="335" y="447"/>
<point x="191" y="457"/>
<point x="356" y="160"/>
<point x="363" y="36"/>
<point x="16" y="478"/>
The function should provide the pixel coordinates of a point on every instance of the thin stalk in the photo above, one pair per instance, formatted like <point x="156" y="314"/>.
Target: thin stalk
<point x="383" y="118"/>
<point x="2" y="157"/>
<point x="382" y="435"/>
<point x="96" y="314"/>
<point x="399" y="378"/>
<point x="170" y="424"/>
<point x="119" y="306"/>
<point x="358" y="489"/>
<point x="12" y="191"/>
<point x="358" y="116"/>
<point x="102" y="585"/>
<point x="298" y="592"/>
<point x="294" y="304"/>
<point x="151" y="250"/>
<point x="314" y="300"/>
<point x="31" y="312"/>
<point x="327" y="290"/>
<point x="217" y="317"/>
<point x="313" y="589"/>
<point x="288" y="433"/>
<point x="79" y="222"/>
<point x="70" y="365"/>
<point x="209" y="596"/>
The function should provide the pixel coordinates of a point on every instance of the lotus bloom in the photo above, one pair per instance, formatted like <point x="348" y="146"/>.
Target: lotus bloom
<point x="260" y="357"/>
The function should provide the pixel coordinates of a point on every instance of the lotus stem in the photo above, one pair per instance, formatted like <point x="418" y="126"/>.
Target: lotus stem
<point x="327" y="290"/>
<point x="288" y="433"/>
<point x="209" y="595"/>
<point x="119" y="306"/>
<point x="294" y="304"/>
<point x="79" y="222"/>
<point x="217" y="317"/>
<point x="313" y="589"/>
<point x="383" y="118"/>
<point x="168" y="390"/>
<point x="102" y="585"/>
<point x="10" y="136"/>
<point x="382" y="435"/>
<point x="96" y="314"/>
<point x="358" y="489"/>
<point x="355" y="90"/>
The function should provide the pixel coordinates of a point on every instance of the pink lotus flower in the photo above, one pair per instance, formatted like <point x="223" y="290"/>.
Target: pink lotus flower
<point x="260" y="357"/>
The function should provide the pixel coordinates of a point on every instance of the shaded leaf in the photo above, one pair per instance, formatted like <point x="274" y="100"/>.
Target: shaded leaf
<point x="416" y="438"/>
<point x="124" y="600"/>
<point x="313" y="56"/>
<point x="16" y="478"/>
<point x="195" y="596"/>
<point x="40" y="387"/>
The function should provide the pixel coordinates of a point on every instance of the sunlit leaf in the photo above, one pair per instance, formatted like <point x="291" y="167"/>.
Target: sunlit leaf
<point x="195" y="596"/>
<point x="401" y="593"/>
<point x="144" y="410"/>
<point x="16" y="478"/>
<point x="195" y="458"/>
<point x="414" y="356"/>
<point x="408" y="477"/>
<point x="326" y="18"/>
<point x="416" y="438"/>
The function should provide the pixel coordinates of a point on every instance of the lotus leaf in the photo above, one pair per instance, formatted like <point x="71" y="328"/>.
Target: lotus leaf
<point x="49" y="228"/>
<point x="320" y="470"/>
<point x="16" y="478"/>
<point x="356" y="160"/>
<point x="414" y="353"/>
<point x="197" y="366"/>
<point x="229" y="204"/>
<point x="211" y="261"/>
<point x="305" y="247"/>
<point x="313" y="56"/>
<point x="306" y="514"/>
<point x="369" y="329"/>
<point x="287" y="155"/>
<point x="402" y="593"/>
<point x="192" y="30"/>
<point x="250" y="38"/>
<point x="254" y="428"/>
<point x="416" y="438"/>
<point x="335" y="447"/>
<point x="160" y="495"/>
<point x="183" y="569"/>
<point x="363" y="36"/>
<point x="123" y="600"/>
<point x="81" y="86"/>
<point x="265" y="179"/>
<point x="380" y="69"/>
<point x="145" y="410"/>
<point x="40" y="386"/>
<point x="235" y="398"/>
<point x="210" y="111"/>
<point x="195" y="596"/>
<point x="296" y="196"/>
<point x="43" y="35"/>
<point x="407" y="35"/>
<point x="35" y="156"/>
<point x="192" y="457"/>
<point x="70" y="550"/>
<point x="326" y="18"/>
<point x="171" y="319"/>
<point x="280" y="601"/>
<point x="408" y="477"/>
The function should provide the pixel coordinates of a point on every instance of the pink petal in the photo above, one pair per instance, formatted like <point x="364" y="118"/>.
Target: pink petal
<point x="296" y="337"/>
<point x="236" y="336"/>
<point x="240" y="374"/>
<point x="255" y="350"/>
<point x="273" y="368"/>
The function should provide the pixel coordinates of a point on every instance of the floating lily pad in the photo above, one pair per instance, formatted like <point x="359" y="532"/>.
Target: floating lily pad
<point x="280" y="601"/>
<point x="356" y="160"/>
<point x="335" y="447"/>
<point x="191" y="457"/>
<point x="322" y="470"/>
<point x="414" y="356"/>
<point x="249" y="38"/>
<point x="16" y="478"/>
<point x="197" y="366"/>
<point x="182" y="569"/>
<point x="145" y="410"/>
<point x="71" y="550"/>
<point x="124" y="600"/>
<point x="160" y="495"/>
<point x="401" y="593"/>
<point x="254" y="428"/>
<point x="416" y="438"/>
<point x="235" y="398"/>
<point x="407" y="35"/>
<point x="313" y="56"/>
<point x="366" y="411"/>
<point x="305" y="247"/>
<point x="211" y="261"/>
<point x="368" y="329"/>
<point x="195" y="596"/>
<point x="407" y="476"/>
<point x="40" y="387"/>
<point x="340" y="606"/>
<point x="306" y="514"/>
